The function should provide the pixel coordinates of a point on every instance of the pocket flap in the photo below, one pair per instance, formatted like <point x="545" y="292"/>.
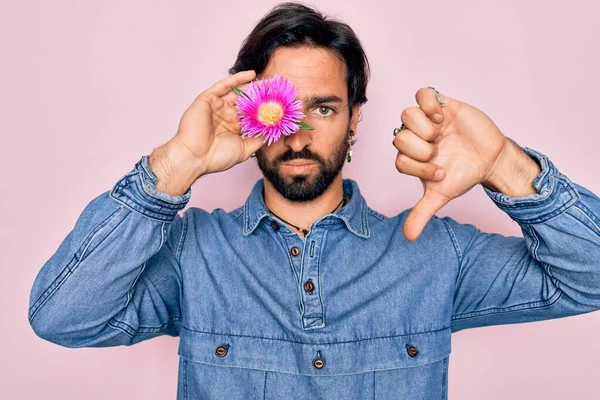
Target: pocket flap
<point x="337" y="358"/>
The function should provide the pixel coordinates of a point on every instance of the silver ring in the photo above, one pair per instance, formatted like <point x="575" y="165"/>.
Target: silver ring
<point x="396" y="130"/>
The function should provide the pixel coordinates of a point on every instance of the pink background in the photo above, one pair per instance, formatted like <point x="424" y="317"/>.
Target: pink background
<point x="87" y="88"/>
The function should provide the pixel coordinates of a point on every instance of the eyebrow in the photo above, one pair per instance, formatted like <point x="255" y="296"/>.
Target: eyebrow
<point x="316" y="100"/>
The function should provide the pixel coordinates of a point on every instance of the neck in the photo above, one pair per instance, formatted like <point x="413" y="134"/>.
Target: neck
<point x="303" y="214"/>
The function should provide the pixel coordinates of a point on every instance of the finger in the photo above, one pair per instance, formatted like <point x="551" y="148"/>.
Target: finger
<point x="252" y="145"/>
<point x="429" y="101"/>
<point x="424" y="170"/>
<point x="222" y="87"/>
<point x="417" y="121"/>
<point x="408" y="143"/>
<point x="228" y="117"/>
<point x="422" y="212"/>
<point x="223" y="112"/>
<point x="230" y="98"/>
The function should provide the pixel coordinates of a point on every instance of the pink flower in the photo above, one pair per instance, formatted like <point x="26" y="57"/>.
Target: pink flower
<point x="269" y="107"/>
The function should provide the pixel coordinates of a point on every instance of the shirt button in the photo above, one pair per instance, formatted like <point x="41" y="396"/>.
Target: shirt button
<point x="275" y="226"/>
<point x="309" y="286"/>
<point x="221" y="350"/>
<point x="412" y="350"/>
<point x="318" y="362"/>
<point x="295" y="251"/>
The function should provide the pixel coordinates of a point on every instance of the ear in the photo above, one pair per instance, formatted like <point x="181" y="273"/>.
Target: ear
<point x="355" y="120"/>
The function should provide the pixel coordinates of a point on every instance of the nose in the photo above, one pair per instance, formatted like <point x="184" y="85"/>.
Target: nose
<point x="298" y="140"/>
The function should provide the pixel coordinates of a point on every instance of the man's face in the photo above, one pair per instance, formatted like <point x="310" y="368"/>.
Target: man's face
<point x="302" y="166"/>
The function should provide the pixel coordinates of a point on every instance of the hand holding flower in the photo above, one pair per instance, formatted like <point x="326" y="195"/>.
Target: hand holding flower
<point x="223" y="127"/>
<point x="209" y="129"/>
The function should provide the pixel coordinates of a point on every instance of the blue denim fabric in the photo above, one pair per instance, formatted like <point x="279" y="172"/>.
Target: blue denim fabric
<point x="378" y="321"/>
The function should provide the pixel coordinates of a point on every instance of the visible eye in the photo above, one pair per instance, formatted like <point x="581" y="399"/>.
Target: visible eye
<point x="324" y="111"/>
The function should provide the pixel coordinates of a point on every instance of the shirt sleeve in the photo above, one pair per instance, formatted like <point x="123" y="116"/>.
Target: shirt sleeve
<point x="552" y="271"/>
<point x="115" y="279"/>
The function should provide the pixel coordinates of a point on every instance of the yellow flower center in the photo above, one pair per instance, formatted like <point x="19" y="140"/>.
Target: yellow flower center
<point x="270" y="113"/>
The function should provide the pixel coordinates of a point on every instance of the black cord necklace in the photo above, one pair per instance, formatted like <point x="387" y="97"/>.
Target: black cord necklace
<point x="305" y="231"/>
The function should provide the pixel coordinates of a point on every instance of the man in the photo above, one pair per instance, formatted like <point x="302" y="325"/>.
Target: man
<point x="304" y="291"/>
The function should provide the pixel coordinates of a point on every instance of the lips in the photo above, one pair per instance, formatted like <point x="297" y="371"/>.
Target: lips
<point x="302" y="164"/>
<point x="298" y="167"/>
<point x="298" y="162"/>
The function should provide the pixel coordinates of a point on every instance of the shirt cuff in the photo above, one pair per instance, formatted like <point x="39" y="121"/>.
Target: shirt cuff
<point x="555" y="193"/>
<point x="137" y="191"/>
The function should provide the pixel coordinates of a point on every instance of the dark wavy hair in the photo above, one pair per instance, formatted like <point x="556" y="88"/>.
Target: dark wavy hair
<point x="294" y="24"/>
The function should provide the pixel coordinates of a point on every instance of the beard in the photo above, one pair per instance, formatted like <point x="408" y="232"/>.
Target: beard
<point x="303" y="187"/>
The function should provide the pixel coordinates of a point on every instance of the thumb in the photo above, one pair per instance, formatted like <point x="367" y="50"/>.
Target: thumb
<point x="431" y="102"/>
<point x="422" y="212"/>
<point x="252" y="145"/>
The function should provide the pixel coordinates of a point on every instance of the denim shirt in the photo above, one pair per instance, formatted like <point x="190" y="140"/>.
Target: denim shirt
<point x="353" y="311"/>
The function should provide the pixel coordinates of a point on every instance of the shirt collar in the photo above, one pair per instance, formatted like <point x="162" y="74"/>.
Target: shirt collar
<point x="353" y="214"/>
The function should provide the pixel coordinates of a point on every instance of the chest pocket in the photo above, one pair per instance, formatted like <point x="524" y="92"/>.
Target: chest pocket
<point x="315" y="359"/>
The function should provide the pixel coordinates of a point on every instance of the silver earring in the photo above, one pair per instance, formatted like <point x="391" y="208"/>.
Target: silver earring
<point x="351" y="142"/>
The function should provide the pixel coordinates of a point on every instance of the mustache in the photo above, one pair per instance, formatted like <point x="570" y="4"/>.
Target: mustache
<point x="304" y="154"/>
